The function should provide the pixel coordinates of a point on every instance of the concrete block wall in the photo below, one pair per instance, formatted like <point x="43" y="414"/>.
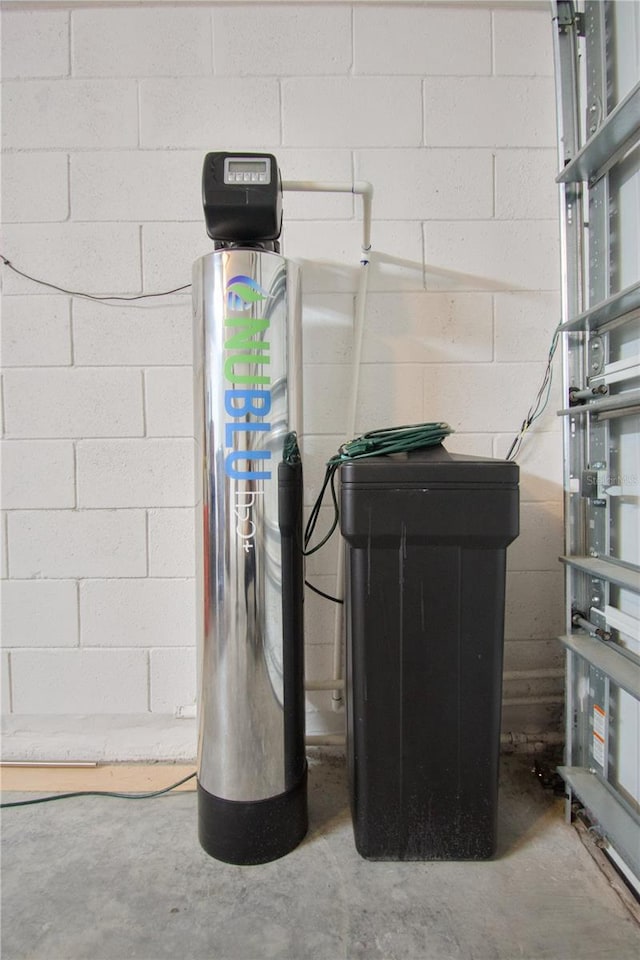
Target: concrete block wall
<point x="108" y="111"/>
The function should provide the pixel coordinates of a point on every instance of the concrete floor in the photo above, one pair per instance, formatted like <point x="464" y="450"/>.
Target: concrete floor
<point x="102" y="879"/>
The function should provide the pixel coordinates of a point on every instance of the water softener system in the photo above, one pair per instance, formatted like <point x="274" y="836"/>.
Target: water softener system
<point x="252" y="801"/>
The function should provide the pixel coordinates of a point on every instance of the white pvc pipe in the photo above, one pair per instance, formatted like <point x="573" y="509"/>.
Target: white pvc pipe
<point x="364" y="189"/>
<point x="358" y="331"/>
<point x="359" y="187"/>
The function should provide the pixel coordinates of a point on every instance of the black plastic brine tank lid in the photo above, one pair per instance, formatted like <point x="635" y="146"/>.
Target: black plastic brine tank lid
<point x="430" y="465"/>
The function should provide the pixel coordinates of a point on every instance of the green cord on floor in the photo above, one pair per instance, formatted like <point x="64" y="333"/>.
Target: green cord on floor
<point x="98" y="793"/>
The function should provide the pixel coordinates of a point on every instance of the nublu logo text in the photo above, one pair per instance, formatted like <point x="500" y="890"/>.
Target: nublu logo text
<point x="247" y="396"/>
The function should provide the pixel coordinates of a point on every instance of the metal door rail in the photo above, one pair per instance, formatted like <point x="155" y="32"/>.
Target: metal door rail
<point x="622" y="575"/>
<point x="614" y="136"/>
<point x="617" y="307"/>
<point x="600" y="673"/>
<point x="620" y="371"/>
<point x="608" y="658"/>
<point x="622" y="825"/>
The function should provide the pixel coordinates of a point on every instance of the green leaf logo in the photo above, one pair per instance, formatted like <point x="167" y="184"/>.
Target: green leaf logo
<point x="243" y="291"/>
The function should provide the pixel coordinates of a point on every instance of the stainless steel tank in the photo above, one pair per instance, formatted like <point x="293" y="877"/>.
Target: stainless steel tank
<point x="247" y="376"/>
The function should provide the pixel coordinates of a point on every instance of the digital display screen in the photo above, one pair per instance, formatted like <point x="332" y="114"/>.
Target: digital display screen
<point x="247" y="166"/>
<point x="247" y="170"/>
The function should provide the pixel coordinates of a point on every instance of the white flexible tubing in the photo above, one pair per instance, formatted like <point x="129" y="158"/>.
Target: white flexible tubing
<point x="338" y="621"/>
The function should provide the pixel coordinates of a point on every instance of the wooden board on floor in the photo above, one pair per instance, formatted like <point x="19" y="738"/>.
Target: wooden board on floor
<point x="120" y="777"/>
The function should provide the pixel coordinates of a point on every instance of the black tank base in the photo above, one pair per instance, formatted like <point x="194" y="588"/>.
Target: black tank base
<point x="253" y="831"/>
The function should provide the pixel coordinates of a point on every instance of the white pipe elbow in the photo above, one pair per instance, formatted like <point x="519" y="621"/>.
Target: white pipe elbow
<point x="365" y="189"/>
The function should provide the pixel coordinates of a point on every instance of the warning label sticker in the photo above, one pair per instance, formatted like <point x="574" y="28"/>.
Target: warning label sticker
<point x="599" y="725"/>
